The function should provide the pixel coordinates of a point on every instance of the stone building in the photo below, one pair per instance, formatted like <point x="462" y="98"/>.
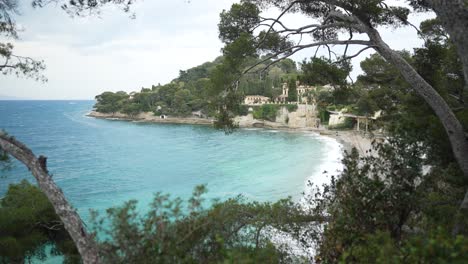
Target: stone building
<point x="256" y="100"/>
<point x="302" y="91"/>
<point x="283" y="98"/>
<point x="338" y="118"/>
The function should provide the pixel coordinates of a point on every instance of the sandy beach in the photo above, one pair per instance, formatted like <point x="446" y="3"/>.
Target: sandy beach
<point x="350" y="139"/>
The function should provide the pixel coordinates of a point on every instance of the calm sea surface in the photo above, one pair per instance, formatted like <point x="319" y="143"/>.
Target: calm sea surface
<point x="102" y="163"/>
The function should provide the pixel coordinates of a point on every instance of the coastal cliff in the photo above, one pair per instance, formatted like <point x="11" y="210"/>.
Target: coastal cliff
<point x="151" y="118"/>
<point x="298" y="120"/>
<point x="304" y="117"/>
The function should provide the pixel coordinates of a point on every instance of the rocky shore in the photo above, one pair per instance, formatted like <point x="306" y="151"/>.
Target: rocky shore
<point x="150" y="118"/>
<point x="348" y="139"/>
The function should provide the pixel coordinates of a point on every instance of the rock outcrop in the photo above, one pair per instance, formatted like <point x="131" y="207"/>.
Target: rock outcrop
<point x="151" y="118"/>
<point x="304" y="117"/>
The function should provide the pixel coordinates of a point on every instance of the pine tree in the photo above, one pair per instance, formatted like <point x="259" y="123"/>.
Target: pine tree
<point x="292" y="90"/>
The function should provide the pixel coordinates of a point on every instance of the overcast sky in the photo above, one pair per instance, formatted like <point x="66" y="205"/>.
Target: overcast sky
<point x="86" y="56"/>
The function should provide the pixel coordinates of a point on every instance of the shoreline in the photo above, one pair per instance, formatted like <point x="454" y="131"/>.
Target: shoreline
<point x="147" y="118"/>
<point x="336" y="142"/>
<point x="349" y="139"/>
<point x="346" y="138"/>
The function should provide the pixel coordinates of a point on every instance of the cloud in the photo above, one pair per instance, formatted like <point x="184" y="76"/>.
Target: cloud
<point x="86" y="56"/>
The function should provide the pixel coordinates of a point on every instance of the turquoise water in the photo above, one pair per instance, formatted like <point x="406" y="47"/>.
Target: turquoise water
<point x="101" y="163"/>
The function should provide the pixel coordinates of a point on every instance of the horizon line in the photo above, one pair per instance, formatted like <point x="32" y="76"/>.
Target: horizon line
<point x="33" y="99"/>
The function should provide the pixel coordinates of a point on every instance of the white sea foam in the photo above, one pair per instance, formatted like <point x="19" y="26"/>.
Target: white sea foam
<point x="270" y="131"/>
<point x="76" y="117"/>
<point x="331" y="164"/>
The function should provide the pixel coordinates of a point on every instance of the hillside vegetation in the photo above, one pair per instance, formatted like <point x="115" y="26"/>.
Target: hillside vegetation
<point x="193" y="91"/>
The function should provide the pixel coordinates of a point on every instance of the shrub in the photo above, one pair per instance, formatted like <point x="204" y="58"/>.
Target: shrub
<point x="324" y="116"/>
<point x="291" y="107"/>
<point x="381" y="209"/>
<point x="243" y="110"/>
<point x="348" y="124"/>
<point x="28" y="223"/>
<point x="266" y="112"/>
<point x="177" y="231"/>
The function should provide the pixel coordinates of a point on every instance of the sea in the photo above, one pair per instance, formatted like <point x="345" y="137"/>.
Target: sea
<point x="103" y="163"/>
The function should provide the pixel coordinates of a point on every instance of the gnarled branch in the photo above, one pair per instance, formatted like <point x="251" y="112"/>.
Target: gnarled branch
<point x="71" y="220"/>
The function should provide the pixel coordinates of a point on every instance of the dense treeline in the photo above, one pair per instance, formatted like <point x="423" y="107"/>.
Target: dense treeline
<point x="193" y="91"/>
<point x="175" y="98"/>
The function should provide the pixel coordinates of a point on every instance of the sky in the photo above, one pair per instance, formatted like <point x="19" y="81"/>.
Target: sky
<point x="87" y="56"/>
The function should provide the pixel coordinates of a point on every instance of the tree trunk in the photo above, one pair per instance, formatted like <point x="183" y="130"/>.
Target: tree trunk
<point x="454" y="17"/>
<point x="72" y="222"/>
<point x="450" y="122"/>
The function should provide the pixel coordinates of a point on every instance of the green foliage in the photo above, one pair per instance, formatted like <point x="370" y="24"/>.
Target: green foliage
<point x="439" y="246"/>
<point x="87" y="8"/>
<point x="15" y="65"/>
<point x="291" y="107"/>
<point x="365" y="215"/>
<point x="28" y="223"/>
<point x="248" y="35"/>
<point x="109" y="102"/>
<point x="345" y="95"/>
<point x="20" y="66"/>
<point x="131" y="109"/>
<point x="4" y="157"/>
<point x="270" y="111"/>
<point x="273" y="42"/>
<point x="378" y="247"/>
<point x="5" y="161"/>
<point x="239" y="20"/>
<point x="268" y="83"/>
<point x="378" y="199"/>
<point x="287" y="66"/>
<point x="404" y="112"/>
<point x="242" y="50"/>
<point x="199" y="72"/>
<point x="436" y="247"/>
<point x="266" y="112"/>
<point x="320" y="71"/>
<point x="179" y="98"/>
<point x="323" y="99"/>
<point x="174" y="231"/>
<point x="433" y="30"/>
<point x="324" y="116"/>
<point x="378" y="72"/>
<point x="381" y="208"/>
<point x="382" y="87"/>
<point x="198" y="89"/>
<point x="439" y="64"/>
<point x="366" y="105"/>
<point x="346" y="125"/>
<point x="243" y="110"/>
<point x="292" y="90"/>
